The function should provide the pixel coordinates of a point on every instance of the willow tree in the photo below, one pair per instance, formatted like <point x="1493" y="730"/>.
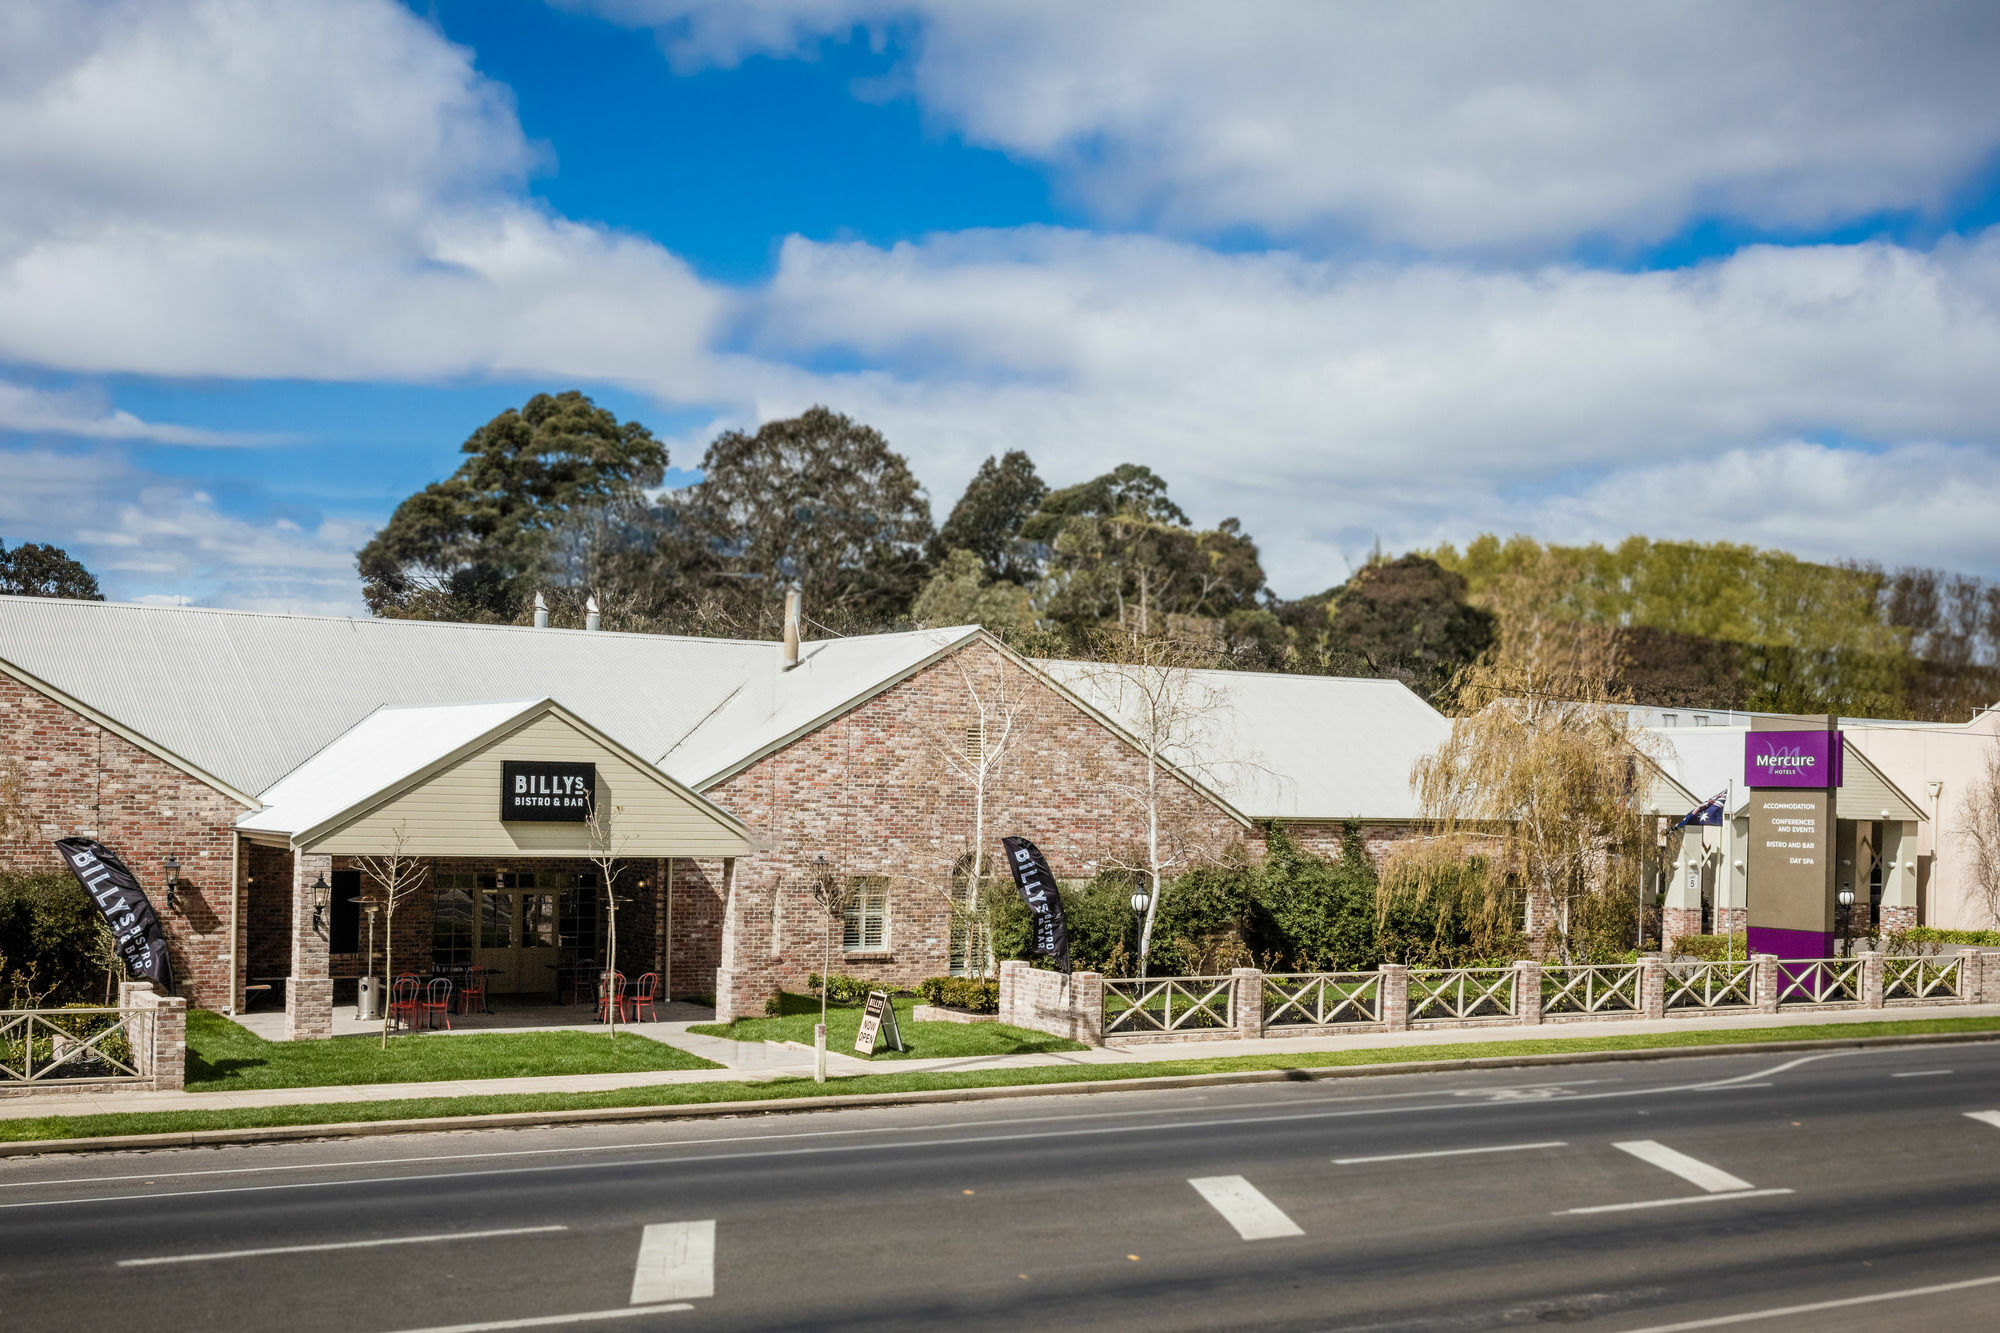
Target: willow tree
<point x="1545" y="772"/>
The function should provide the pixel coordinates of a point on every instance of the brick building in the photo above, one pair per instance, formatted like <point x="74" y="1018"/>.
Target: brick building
<point x="275" y="759"/>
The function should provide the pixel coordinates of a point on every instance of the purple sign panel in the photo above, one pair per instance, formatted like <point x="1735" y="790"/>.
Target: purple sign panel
<point x="1791" y="759"/>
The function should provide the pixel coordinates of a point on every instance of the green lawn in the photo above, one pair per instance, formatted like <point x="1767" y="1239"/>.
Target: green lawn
<point x="224" y="1057"/>
<point x="687" y="1094"/>
<point x="926" y="1040"/>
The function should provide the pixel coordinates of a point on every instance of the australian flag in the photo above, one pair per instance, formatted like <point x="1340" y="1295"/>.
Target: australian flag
<point x="1708" y="812"/>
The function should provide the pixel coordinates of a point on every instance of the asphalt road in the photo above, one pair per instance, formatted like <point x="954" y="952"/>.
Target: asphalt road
<point x="1689" y="1193"/>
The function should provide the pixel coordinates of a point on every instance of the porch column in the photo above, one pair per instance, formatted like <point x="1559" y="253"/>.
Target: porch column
<point x="1680" y="904"/>
<point x="309" y="993"/>
<point x="1899" y="876"/>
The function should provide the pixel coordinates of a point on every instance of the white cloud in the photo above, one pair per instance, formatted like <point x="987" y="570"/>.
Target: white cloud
<point x="300" y="188"/>
<point x="33" y="411"/>
<point x="1434" y="123"/>
<point x="159" y="539"/>
<point x="1325" y="404"/>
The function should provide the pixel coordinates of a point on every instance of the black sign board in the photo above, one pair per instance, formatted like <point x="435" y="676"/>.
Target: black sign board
<point x="546" y="792"/>
<point x="881" y="1014"/>
<point x="115" y="893"/>
<point x="1038" y="891"/>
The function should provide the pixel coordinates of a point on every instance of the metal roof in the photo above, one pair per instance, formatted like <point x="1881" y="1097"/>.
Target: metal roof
<point x="372" y="756"/>
<point x="1709" y="760"/>
<point x="1297" y="747"/>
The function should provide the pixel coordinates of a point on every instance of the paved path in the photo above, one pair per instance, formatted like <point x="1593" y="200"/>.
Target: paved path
<point x="1840" y="1191"/>
<point x="763" y="1061"/>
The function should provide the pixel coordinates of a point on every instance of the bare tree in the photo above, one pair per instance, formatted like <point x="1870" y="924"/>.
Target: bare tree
<point x="606" y="851"/>
<point x="1156" y="690"/>
<point x="967" y="754"/>
<point x="1545" y="770"/>
<point x="832" y="892"/>
<point x="1979" y="828"/>
<point x="396" y="875"/>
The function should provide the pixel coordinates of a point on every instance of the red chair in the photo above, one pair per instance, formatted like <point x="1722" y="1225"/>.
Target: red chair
<point x="611" y="991"/>
<point x="644" y="992"/>
<point x="403" y="1000"/>
<point x="437" y="1002"/>
<point x="472" y="991"/>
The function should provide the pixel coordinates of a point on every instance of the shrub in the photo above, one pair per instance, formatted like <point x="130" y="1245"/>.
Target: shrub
<point x="841" y="988"/>
<point x="1447" y="914"/>
<point x="54" y="947"/>
<point x="1098" y="913"/>
<point x="1933" y="935"/>
<point x="774" y="1005"/>
<point x="968" y="993"/>
<point x="1712" y="948"/>
<point x="1317" y="915"/>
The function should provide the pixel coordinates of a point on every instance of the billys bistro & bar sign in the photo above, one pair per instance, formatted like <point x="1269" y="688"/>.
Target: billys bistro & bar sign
<point x="547" y="792"/>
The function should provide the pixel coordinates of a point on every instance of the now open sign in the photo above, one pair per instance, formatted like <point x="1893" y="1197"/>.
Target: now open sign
<point x="548" y="791"/>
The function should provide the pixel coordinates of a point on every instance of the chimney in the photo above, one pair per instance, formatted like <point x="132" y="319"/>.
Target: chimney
<point x="541" y="612"/>
<point x="791" y="658"/>
<point x="591" y="620"/>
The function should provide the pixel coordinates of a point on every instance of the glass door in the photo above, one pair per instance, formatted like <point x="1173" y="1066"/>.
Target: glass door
<point x="535" y="960"/>
<point x="495" y="940"/>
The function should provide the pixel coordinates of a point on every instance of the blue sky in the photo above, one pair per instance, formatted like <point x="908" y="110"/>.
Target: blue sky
<point x="1346" y="272"/>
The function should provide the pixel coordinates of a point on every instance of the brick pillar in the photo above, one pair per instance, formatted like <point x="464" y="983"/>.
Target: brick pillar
<point x="1395" y="997"/>
<point x="1982" y="982"/>
<point x="1527" y="991"/>
<point x="1248" y="1001"/>
<point x="309" y="993"/>
<point x="1087" y="1007"/>
<point x="1767" y="982"/>
<point x="1871" y="979"/>
<point x="1010" y="981"/>
<point x="137" y="999"/>
<point x="1652" y="986"/>
<point x="170" y="1023"/>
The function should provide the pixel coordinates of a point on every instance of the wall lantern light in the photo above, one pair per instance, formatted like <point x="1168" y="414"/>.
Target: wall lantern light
<point x="172" y="866"/>
<point x="320" y="897"/>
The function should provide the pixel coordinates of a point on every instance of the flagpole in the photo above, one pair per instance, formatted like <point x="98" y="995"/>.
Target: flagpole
<point x="1728" y="827"/>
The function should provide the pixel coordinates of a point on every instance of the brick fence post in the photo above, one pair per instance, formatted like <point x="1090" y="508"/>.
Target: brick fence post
<point x="1871" y="979"/>
<point x="1248" y="1001"/>
<point x="1652" y="986"/>
<point x="1978" y="981"/>
<point x="1527" y="991"/>
<point x="1395" y="997"/>
<point x="1087" y="1007"/>
<point x="1010" y="981"/>
<point x="136" y="999"/>
<point x="1767" y="982"/>
<point x="169" y="1043"/>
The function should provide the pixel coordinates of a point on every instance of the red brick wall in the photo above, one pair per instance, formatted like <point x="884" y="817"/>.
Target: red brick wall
<point x="697" y="913"/>
<point x="869" y="793"/>
<point x="78" y="778"/>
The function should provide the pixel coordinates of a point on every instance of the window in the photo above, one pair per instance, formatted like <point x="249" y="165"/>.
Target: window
<point x="496" y="921"/>
<point x="867" y="914"/>
<point x="576" y="918"/>
<point x="1670" y="719"/>
<point x="451" y="921"/>
<point x="975" y="743"/>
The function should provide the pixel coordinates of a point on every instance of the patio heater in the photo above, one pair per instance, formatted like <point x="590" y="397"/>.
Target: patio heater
<point x="368" y="991"/>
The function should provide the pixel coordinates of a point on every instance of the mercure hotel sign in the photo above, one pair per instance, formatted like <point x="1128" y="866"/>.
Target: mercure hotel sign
<point x="1791" y="759"/>
<point x="546" y="791"/>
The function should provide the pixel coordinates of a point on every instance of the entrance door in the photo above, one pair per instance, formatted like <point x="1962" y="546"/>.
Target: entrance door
<point x="517" y="939"/>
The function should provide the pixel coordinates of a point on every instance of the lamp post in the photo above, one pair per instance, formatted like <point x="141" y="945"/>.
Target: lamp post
<point x="172" y="867"/>
<point x="1141" y="900"/>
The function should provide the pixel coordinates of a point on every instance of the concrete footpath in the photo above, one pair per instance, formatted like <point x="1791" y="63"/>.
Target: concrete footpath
<point x="757" y="1062"/>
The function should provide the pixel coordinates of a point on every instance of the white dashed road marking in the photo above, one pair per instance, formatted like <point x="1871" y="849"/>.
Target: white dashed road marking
<point x="1244" y="1207"/>
<point x="1985" y="1117"/>
<point x="676" y="1263"/>
<point x="1711" y="1178"/>
<point x="1447" y="1152"/>
<point x="431" y="1239"/>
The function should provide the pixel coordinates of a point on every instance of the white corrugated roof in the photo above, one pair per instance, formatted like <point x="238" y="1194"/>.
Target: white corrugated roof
<point x="247" y="696"/>
<point x="374" y="755"/>
<point x="830" y="676"/>
<point x="1299" y="747"/>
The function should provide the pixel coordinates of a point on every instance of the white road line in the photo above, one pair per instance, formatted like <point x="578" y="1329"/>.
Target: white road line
<point x="1447" y="1152"/>
<point x="430" y="1239"/>
<point x="1244" y="1207"/>
<point x="676" y="1262"/>
<point x="1922" y="1073"/>
<point x="552" y="1320"/>
<point x="1711" y="1178"/>
<point x="1669" y="1203"/>
<point x="915" y="1144"/>
<point x="1751" y="1316"/>
<point x="1985" y="1117"/>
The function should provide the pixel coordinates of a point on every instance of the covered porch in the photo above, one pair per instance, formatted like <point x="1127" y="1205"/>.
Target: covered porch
<point x="498" y="849"/>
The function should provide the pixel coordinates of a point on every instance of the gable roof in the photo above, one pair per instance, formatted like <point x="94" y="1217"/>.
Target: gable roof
<point x="1300" y="747"/>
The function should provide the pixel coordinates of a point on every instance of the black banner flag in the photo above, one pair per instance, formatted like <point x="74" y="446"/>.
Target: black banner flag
<point x="1038" y="891"/>
<point x="115" y="892"/>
